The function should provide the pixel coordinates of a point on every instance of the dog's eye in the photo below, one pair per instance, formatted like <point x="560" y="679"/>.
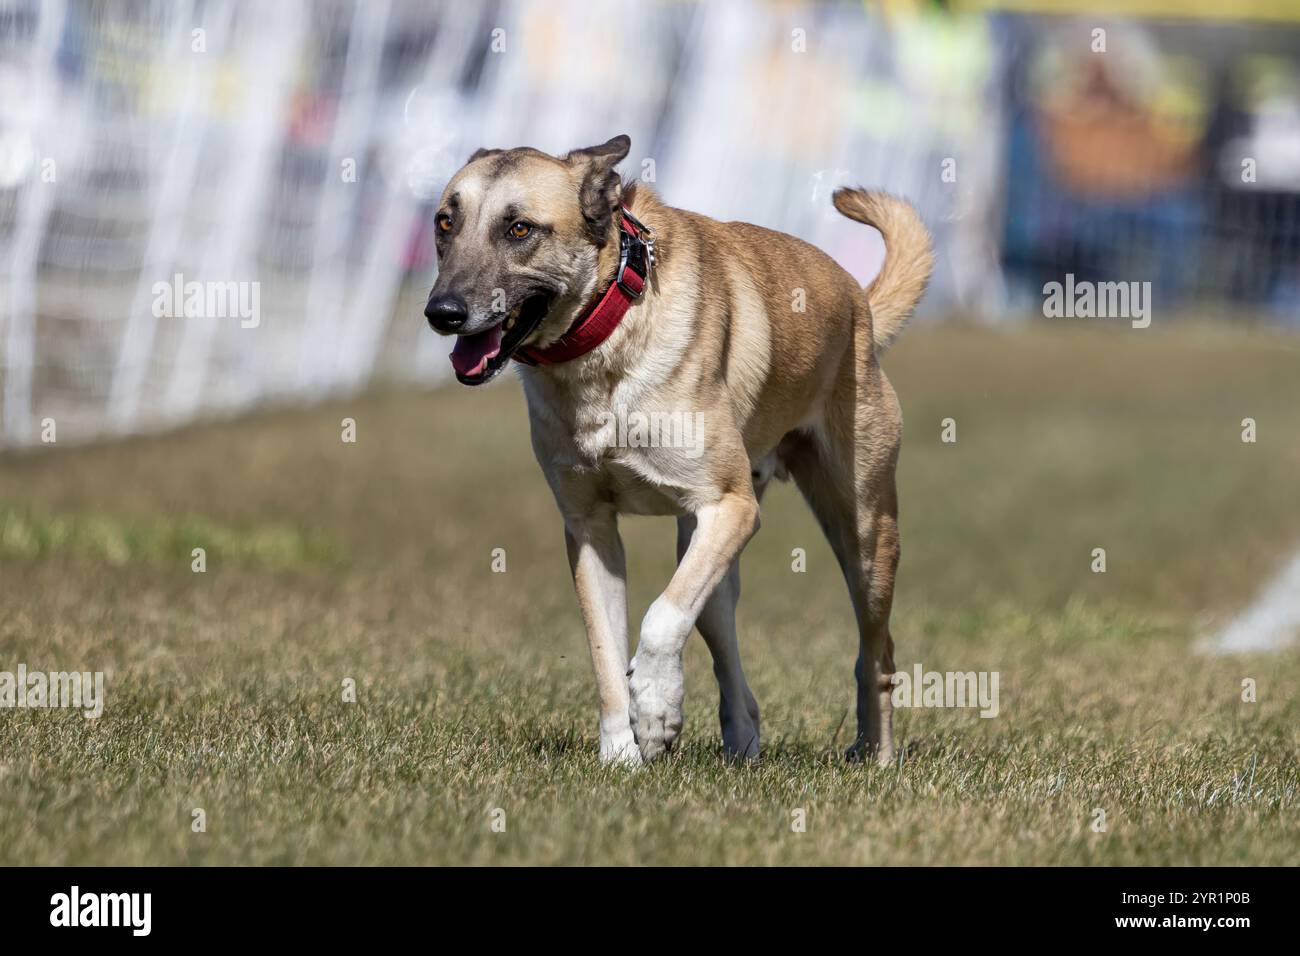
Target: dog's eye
<point x="520" y="230"/>
<point x="444" y="222"/>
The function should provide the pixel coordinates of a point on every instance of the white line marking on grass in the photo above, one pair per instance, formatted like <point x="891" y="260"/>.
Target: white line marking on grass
<point x="1269" y="624"/>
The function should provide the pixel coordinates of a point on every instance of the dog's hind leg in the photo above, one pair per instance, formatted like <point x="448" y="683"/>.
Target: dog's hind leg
<point x="856" y="506"/>
<point x="737" y="709"/>
<point x="874" y="669"/>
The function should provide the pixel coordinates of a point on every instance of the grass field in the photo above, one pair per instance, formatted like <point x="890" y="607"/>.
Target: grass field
<point x="372" y="561"/>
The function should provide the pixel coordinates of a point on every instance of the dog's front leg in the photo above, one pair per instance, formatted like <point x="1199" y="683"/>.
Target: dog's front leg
<point x="600" y="578"/>
<point x="655" y="683"/>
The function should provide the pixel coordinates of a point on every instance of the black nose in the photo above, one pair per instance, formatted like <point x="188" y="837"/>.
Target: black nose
<point x="446" y="313"/>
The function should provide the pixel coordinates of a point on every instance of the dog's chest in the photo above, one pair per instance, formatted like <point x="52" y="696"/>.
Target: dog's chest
<point x="633" y="494"/>
<point x="627" y="444"/>
<point x="644" y="462"/>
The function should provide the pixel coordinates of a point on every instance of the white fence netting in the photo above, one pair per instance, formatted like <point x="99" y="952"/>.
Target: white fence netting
<point x="282" y="159"/>
<point x="284" y="155"/>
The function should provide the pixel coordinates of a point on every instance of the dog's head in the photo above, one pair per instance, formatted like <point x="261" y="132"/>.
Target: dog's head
<point x="519" y="235"/>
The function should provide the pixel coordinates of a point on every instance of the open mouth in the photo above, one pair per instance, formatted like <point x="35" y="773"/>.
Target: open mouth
<point x="478" y="357"/>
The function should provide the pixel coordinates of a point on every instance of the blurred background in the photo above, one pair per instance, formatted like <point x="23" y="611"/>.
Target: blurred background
<point x="1116" y="501"/>
<point x="297" y="147"/>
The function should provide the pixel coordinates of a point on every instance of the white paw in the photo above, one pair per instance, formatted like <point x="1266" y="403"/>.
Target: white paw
<point x="655" y="713"/>
<point x="619" y="747"/>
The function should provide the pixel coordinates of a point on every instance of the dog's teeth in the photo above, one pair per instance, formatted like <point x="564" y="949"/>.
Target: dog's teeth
<point x="510" y="323"/>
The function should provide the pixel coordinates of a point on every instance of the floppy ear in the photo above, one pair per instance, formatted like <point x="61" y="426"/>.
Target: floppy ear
<point x="480" y="153"/>
<point x="601" y="189"/>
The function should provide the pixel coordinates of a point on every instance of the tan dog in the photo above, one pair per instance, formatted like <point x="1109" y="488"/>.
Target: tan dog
<point x="747" y="354"/>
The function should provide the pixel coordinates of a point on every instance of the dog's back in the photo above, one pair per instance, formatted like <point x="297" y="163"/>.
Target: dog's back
<point x="780" y="316"/>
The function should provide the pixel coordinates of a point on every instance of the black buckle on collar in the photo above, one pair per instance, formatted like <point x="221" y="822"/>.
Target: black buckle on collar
<point x="635" y="252"/>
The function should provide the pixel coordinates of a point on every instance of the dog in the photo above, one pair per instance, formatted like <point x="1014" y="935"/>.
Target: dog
<point x="613" y="304"/>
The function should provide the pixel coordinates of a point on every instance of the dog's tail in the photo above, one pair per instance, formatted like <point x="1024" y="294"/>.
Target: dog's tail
<point x="893" y="294"/>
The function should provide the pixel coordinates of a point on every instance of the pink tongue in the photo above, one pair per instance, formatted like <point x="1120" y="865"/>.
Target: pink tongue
<point x="471" y="354"/>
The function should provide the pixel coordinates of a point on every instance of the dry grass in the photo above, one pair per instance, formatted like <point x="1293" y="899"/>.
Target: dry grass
<point x="372" y="561"/>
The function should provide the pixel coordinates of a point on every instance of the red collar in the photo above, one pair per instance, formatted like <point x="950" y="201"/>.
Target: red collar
<point x="636" y="249"/>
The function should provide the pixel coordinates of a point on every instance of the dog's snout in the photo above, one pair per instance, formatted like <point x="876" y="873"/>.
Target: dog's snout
<point x="446" y="313"/>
